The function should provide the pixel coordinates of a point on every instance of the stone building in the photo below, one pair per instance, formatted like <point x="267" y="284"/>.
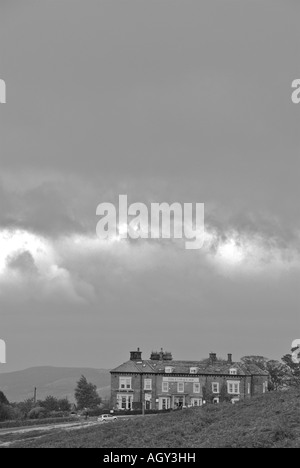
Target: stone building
<point x="163" y="383"/>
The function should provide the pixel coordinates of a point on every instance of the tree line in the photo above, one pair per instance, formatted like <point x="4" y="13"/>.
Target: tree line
<point x="86" y="397"/>
<point x="282" y="374"/>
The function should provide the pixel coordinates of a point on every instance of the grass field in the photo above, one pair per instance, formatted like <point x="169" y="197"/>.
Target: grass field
<point x="271" y="420"/>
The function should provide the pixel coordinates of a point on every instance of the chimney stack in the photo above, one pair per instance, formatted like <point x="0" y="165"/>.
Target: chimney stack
<point x="136" y="355"/>
<point x="154" y="356"/>
<point x="229" y="359"/>
<point x="213" y="358"/>
<point x="168" y="356"/>
<point x="161" y="356"/>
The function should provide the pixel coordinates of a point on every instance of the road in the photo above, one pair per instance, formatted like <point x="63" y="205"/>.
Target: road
<point x="73" y="425"/>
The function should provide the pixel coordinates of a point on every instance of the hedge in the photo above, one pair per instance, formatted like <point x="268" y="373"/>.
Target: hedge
<point x="35" y="422"/>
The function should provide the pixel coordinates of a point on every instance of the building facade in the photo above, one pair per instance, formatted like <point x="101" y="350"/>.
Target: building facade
<point x="162" y="383"/>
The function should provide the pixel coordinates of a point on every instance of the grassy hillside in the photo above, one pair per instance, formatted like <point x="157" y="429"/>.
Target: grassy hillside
<point x="271" y="420"/>
<point x="56" y="381"/>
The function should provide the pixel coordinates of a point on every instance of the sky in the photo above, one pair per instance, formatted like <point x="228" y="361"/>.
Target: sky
<point x="164" y="101"/>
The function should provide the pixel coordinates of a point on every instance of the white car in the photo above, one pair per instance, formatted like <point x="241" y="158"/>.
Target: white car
<point x="107" y="418"/>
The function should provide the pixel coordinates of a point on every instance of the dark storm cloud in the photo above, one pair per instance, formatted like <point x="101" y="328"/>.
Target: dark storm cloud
<point x="61" y="207"/>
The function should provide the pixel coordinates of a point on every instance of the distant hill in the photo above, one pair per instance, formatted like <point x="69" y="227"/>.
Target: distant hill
<point x="56" y="381"/>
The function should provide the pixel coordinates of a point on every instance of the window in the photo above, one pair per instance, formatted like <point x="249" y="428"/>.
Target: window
<point x="165" y="386"/>
<point x="233" y="371"/>
<point x="180" y="387"/>
<point x="147" y="384"/>
<point x="164" y="403"/>
<point x="193" y="370"/>
<point x="249" y="389"/>
<point x="196" y="387"/>
<point x="265" y="387"/>
<point x="124" y="402"/>
<point x="168" y="370"/>
<point x="215" y="387"/>
<point x="233" y="388"/>
<point x="196" y="401"/>
<point x="216" y="401"/>
<point x="125" y="383"/>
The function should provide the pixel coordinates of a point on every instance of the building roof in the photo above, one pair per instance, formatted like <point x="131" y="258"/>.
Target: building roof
<point x="204" y="367"/>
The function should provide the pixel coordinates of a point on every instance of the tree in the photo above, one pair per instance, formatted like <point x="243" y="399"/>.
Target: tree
<point x="5" y="409"/>
<point x="6" y="412"/>
<point x="86" y="394"/>
<point x="50" y="404"/>
<point x="64" y="405"/>
<point x="208" y="395"/>
<point x="224" y="397"/>
<point x="279" y="373"/>
<point x="3" y="399"/>
<point x="293" y="368"/>
<point x="259" y="361"/>
<point x="26" y="406"/>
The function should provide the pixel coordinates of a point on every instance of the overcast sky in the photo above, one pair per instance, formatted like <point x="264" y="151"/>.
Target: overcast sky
<point x="163" y="100"/>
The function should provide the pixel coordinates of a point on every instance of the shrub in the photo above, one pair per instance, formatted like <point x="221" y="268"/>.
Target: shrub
<point x="37" y="413"/>
<point x="93" y="412"/>
<point x="25" y="407"/>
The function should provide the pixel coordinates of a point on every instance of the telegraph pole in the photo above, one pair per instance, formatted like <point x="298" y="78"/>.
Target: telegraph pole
<point x="143" y="403"/>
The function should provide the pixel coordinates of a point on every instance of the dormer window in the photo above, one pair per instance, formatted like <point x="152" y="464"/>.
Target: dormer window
<point x="169" y="370"/>
<point x="193" y="370"/>
<point x="233" y="371"/>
